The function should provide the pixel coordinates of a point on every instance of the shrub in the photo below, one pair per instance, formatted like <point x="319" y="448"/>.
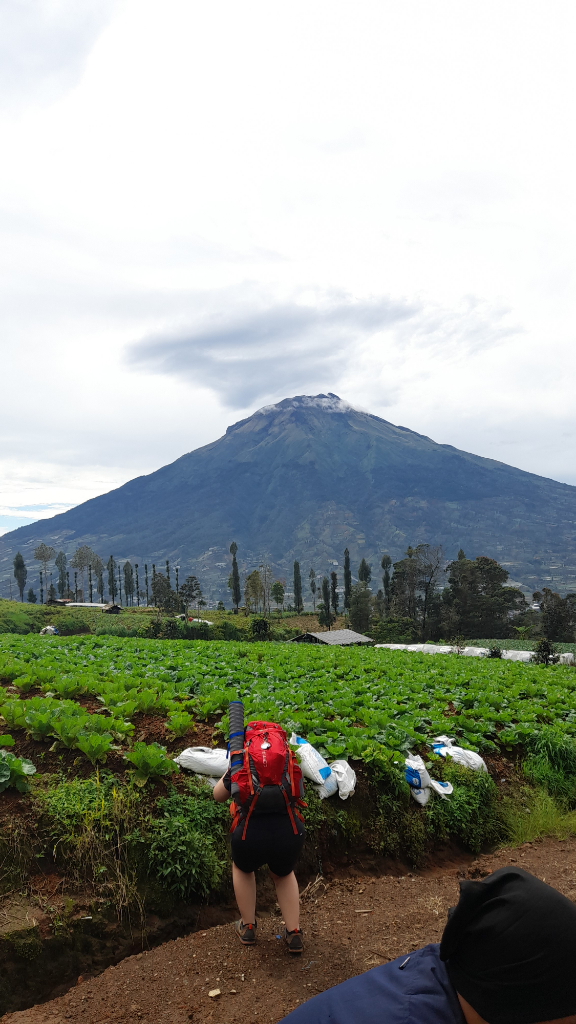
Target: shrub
<point x="545" y="653"/>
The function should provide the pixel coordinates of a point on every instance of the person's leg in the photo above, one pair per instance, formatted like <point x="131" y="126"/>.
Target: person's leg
<point x="245" y="892"/>
<point x="288" y="899"/>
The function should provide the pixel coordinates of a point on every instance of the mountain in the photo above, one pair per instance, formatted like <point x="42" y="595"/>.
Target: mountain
<point x="308" y="477"/>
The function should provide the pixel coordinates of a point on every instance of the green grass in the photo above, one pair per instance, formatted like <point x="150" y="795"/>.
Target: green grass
<point x="535" y="814"/>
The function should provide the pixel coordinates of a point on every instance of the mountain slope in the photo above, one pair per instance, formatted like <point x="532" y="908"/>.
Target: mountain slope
<point x="308" y="477"/>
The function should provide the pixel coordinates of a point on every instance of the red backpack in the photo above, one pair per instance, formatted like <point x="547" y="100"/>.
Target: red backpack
<point x="269" y="779"/>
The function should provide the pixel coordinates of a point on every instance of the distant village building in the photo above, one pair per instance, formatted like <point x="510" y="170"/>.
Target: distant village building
<point x="334" y="638"/>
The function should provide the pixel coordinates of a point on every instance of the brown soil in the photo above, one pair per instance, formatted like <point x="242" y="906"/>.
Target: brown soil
<point x="350" y="925"/>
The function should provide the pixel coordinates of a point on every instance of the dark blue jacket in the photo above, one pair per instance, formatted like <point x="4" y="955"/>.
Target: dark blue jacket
<point x="414" y="989"/>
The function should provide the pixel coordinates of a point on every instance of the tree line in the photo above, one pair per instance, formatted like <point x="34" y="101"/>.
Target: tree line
<point x="87" y="575"/>
<point x="420" y="597"/>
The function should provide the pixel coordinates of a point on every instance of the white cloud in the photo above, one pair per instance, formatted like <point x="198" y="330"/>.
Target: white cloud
<point x="254" y="201"/>
<point x="44" y="45"/>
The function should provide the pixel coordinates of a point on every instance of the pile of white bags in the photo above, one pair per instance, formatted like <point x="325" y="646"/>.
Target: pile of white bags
<point x="204" y="761"/>
<point x="444" y="746"/>
<point x="421" y="785"/>
<point x="328" y="778"/>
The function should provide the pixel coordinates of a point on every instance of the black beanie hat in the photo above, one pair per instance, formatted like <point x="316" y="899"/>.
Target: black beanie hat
<point x="510" y="949"/>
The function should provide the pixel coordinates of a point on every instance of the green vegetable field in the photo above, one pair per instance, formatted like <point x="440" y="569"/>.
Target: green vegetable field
<point x="342" y="700"/>
<point x="90" y="793"/>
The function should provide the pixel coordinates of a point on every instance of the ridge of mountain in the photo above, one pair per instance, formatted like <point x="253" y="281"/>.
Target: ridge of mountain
<point x="306" y="478"/>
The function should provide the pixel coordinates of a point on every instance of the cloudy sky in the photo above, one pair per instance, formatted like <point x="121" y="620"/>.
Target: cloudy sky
<point x="206" y="208"/>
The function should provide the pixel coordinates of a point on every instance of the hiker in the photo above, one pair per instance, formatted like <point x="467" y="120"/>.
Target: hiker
<point x="267" y="827"/>
<point x="507" y="956"/>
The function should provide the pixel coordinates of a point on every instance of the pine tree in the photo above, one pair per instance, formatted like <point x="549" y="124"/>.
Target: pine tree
<point x="234" y="581"/>
<point x="298" y="605"/>
<point x="347" y="580"/>
<point x="61" y="562"/>
<point x="334" y="595"/>
<point x="20" y="573"/>
<point x="312" y="578"/>
<point x="31" y="598"/>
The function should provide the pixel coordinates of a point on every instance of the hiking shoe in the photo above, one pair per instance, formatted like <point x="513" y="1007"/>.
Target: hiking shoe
<point x="246" y="932"/>
<point x="293" y="940"/>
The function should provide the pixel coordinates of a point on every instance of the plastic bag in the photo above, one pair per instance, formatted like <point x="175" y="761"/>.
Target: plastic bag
<point x="204" y="761"/>
<point x="328" y="788"/>
<point x="346" y="778"/>
<point x="313" y="765"/>
<point x="444" y="746"/>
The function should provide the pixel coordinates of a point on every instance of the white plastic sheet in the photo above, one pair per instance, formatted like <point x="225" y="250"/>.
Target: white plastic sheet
<point x="204" y="761"/>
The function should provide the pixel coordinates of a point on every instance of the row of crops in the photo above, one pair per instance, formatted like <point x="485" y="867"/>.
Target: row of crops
<point x="343" y="700"/>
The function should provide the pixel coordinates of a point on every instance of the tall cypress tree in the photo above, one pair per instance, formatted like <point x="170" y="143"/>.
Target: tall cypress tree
<point x="234" y="581"/>
<point x="347" y="580"/>
<point x="61" y="562"/>
<point x="20" y="573"/>
<point x="111" y="567"/>
<point x="386" y="563"/>
<point x="334" y="595"/>
<point x="325" y="616"/>
<point x="297" y="588"/>
<point x="364" y="572"/>
<point x="312" y="578"/>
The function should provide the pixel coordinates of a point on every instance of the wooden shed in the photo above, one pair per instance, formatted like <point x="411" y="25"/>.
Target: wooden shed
<point x="333" y="638"/>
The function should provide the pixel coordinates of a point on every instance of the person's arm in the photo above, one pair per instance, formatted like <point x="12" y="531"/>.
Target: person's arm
<point x="220" y="791"/>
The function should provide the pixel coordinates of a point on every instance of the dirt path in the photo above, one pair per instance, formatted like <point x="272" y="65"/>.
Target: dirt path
<point x="350" y="926"/>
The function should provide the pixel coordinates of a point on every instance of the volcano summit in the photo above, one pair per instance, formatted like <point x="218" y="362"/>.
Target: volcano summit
<point x="308" y="477"/>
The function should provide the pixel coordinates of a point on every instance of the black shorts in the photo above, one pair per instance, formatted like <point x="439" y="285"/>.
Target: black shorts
<point x="270" y="840"/>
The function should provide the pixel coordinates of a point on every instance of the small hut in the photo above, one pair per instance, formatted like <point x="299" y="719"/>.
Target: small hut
<point x="334" y="638"/>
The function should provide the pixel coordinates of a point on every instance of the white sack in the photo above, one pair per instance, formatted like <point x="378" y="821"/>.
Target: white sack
<point x="415" y="773"/>
<point x="346" y="778"/>
<point x="566" y="659"/>
<point x="475" y="652"/>
<point x="421" y="785"/>
<point x="444" y="746"/>
<point x="49" y="631"/>
<point x="313" y="765"/>
<point x="328" y="788"/>
<point x="204" y="761"/>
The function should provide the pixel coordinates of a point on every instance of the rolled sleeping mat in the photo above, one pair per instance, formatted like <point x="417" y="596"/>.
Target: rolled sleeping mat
<point x="235" y="739"/>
